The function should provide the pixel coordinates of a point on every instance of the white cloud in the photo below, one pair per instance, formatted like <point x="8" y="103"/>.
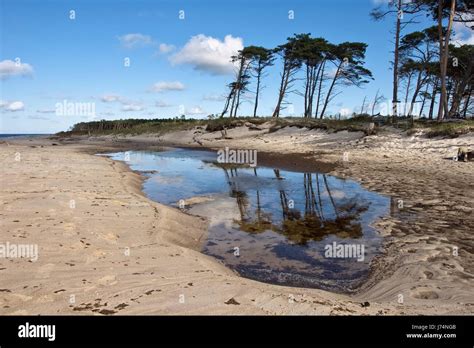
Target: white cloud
<point x="109" y="98"/>
<point x="345" y="112"/>
<point x="10" y="68"/>
<point x="209" y="54"/>
<point x="12" y="106"/>
<point x="163" y="86"/>
<point x="162" y="104"/>
<point x="331" y="73"/>
<point x="197" y="110"/>
<point x="165" y="48"/>
<point x="132" y="107"/>
<point x="127" y="104"/>
<point x="213" y="97"/>
<point x="16" y="106"/>
<point x="135" y="40"/>
<point x="462" y="34"/>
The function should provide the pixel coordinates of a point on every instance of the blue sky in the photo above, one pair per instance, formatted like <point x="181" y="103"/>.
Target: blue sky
<point x="47" y="57"/>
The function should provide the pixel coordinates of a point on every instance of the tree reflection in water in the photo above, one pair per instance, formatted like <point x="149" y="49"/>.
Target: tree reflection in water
<point x="312" y="221"/>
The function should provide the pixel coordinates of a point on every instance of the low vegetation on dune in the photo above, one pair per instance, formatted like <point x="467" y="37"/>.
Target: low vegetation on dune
<point x="452" y="128"/>
<point x="449" y="129"/>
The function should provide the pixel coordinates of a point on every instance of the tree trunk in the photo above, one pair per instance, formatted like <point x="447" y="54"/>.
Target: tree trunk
<point x="456" y="98"/>
<point x="237" y="88"/>
<point x="433" y="99"/>
<point x="466" y="103"/>
<point x="237" y="104"/>
<point x="284" y="82"/>
<point x="415" y="93"/>
<point x="460" y="90"/>
<point x="444" y="52"/>
<point x="306" y="90"/>
<point x="395" y="63"/>
<point x="375" y="102"/>
<point x="313" y="89"/>
<point x="226" y="106"/>
<point x="424" y="101"/>
<point x="257" y="92"/>
<point x="233" y="102"/>
<point x="406" y="95"/>
<point x="321" y="77"/>
<point x="330" y="90"/>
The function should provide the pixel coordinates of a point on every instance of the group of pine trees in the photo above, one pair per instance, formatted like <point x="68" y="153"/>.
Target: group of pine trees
<point x="325" y="66"/>
<point x="431" y="70"/>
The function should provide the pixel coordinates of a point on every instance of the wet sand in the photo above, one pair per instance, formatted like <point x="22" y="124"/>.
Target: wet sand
<point x="118" y="252"/>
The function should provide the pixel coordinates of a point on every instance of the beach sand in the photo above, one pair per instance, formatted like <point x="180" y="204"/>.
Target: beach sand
<point x="105" y="248"/>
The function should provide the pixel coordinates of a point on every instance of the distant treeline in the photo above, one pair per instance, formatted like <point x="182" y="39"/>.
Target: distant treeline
<point x="331" y="124"/>
<point x="123" y="125"/>
<point x="156" y="125"/>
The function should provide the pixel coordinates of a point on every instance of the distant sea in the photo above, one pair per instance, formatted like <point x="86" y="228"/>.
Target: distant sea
<point x="2" y="136"/>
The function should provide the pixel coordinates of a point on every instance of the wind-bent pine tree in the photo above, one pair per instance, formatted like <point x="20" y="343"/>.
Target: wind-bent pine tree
<point x="348" y="58"/>
<point x="419" y="48"/>
<point x="243" y="60"/>
<point x="261" y="59"/>
<point x="291" y="64"/>
<point x="313" y="53"/>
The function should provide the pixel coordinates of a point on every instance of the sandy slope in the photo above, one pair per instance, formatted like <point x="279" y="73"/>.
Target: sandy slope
<point x="83" y="249"/>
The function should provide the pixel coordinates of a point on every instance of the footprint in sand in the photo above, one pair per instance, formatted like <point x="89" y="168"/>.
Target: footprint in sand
<point x="424" y="294"/>
<point x="110" y="237"/>
<point x="107" y="280"/>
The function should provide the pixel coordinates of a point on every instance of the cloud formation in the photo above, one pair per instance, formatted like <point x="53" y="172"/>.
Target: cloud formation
<point x="127" y="104"/>
<point x="162" y="104"/>
<point x="208" y="54"/>
<point x="345" y="112"/>
<point x="463" y="35"/>
<point x="214" y="97"/>
<point x="135" y="40"/>
<point x="165" y="48"/>
<point x="196" y="110"/>
<point x="163" y="86"/>
<point x="10" y="68"/>
<point x="11" y="106"/>
<point x="132" y="107"/>
<point x="110" y="98"/>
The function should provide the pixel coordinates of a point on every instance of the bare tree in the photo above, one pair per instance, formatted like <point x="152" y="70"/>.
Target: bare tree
<point x="377" y="100"/>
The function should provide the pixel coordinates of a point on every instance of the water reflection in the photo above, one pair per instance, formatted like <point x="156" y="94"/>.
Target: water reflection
<point x="269" y="224"/>
<point x="298" y="226"/>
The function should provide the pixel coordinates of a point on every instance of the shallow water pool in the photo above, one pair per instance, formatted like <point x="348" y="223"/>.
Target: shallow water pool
<point x="276" y="226"/>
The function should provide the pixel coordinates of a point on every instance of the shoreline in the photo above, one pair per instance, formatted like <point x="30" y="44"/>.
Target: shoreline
<point x="382" y="293"/>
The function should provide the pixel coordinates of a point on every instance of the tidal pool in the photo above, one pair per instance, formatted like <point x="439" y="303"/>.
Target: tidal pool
<point x="276" y="226"/>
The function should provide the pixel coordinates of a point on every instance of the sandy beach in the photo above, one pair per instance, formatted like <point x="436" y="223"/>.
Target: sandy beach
<point x="104" y="248"/>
